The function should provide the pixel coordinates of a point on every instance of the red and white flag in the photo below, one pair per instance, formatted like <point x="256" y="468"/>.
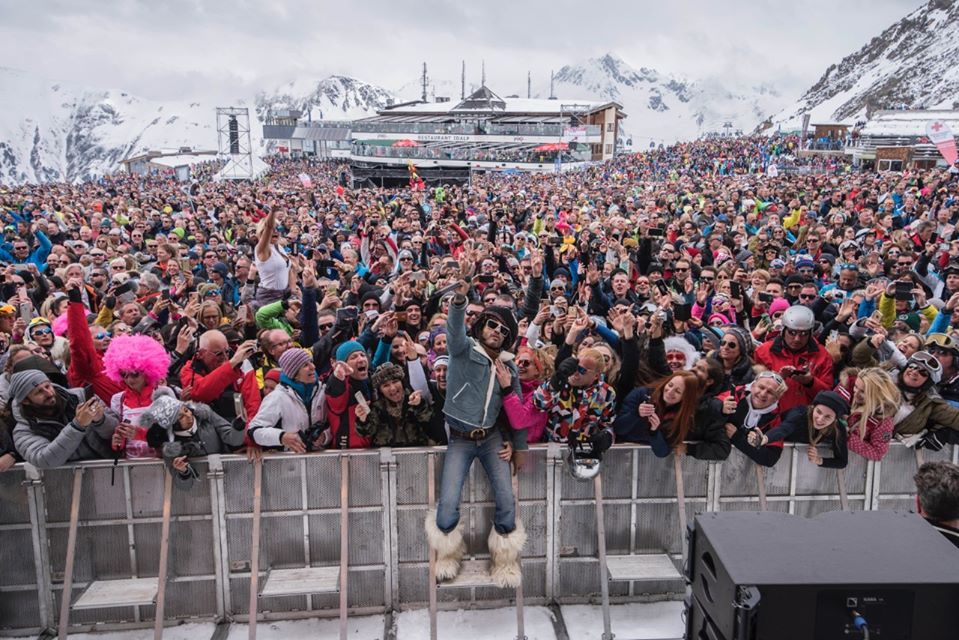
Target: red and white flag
<point x="941" y="136"/>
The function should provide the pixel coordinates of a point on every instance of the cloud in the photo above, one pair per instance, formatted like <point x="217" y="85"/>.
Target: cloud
<point x="195" y="49"/>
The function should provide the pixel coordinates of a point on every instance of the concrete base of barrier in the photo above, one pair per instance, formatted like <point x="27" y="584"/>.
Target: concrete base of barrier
<point x="119" y="528"/>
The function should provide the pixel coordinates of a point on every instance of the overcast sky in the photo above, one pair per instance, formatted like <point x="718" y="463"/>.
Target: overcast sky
<point x="204" y="49"/>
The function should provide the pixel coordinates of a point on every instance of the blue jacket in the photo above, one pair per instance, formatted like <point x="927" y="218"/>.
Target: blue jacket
<point x="38" y="256"/>
<point x="473" y="396"/>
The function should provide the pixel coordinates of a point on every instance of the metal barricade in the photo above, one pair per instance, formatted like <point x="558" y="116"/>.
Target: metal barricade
<point x="209" y="561"/>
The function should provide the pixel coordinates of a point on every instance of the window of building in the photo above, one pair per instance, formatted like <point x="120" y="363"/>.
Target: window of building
<point x="609" y="148"/>
<point x="609" y="126"/>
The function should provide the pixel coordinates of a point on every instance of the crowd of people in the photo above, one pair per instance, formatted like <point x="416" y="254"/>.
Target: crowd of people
<point x="685" y="298"/>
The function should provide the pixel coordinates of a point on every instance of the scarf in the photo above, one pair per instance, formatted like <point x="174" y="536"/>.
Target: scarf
<point x="753" y="415"/>
<point x="303" y="391"/>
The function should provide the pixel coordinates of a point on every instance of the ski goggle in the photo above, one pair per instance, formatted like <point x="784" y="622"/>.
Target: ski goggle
<point x="926" y="362"/>
<point x="942" y="341"/>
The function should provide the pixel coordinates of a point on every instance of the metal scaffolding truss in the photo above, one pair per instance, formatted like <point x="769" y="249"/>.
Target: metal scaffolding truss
<point x="233" y="143"/>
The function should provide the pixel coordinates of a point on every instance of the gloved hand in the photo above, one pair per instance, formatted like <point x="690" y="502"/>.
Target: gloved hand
<point x="932" y="440"/>
<point x="566" y="368"/>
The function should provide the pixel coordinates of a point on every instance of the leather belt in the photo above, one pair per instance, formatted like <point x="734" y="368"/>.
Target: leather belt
<point x="475" y="435"/>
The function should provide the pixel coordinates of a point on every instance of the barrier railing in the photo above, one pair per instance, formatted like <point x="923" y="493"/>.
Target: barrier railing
<point x="209" y="561"/>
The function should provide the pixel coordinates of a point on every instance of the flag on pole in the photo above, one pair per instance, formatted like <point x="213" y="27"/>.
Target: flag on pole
<point x="941" y="136"/>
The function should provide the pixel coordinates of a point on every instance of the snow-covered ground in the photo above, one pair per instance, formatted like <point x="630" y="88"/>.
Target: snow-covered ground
<point x="639" y="621"/>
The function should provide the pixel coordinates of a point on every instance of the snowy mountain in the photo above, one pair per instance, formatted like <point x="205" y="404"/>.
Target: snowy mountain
<point x="912" y="63"/>
<point x="53" y="131"/>
<point x="661" y="107"/>
<point x="333" y="98"/>
<point x="57" y="131"/>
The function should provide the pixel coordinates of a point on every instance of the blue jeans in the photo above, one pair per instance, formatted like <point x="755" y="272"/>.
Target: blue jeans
<point x="456" y="466"/>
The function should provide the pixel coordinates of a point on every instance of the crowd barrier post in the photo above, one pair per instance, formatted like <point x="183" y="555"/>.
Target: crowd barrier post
<point x="601" y="550"/>
<point x="391" y="586"/>
<point x="431" y="501"/>
<point x="164" y="554"/>
<point x="66" y="597"/>
<point x="221" y="567"/>
<point x="36" y="505"/>
<point x="554" y="468"/>
<point x="761" y="485"/>
<point x="520" y="622"/>
<point x="255" y="546"/>
<point x="344" y="541"/>
<point x="841" y="483"/>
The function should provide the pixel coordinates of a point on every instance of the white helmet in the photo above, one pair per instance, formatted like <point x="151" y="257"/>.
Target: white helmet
<point x="799" y="318"/>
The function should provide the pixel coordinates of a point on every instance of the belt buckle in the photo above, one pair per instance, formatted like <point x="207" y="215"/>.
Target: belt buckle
<point x="476" y="434"/>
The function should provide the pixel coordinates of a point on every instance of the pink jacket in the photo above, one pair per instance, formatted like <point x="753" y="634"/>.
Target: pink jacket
<point x="523" y="415"/>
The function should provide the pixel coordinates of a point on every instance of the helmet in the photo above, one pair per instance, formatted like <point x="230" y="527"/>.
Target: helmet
<point x="928" y="363"/>
<point x="799" y="318"/>
<point x="942" y="341"/>
<point x="582" y="466"/>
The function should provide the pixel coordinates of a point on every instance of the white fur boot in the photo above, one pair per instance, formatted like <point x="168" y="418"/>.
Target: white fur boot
<point x="504" y="556"/>
<point x="449" y="547"/>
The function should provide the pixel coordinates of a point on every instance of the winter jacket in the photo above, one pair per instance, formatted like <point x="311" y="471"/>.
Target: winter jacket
<point x="47" y="443"/>
<point x="928" y="411"/>
<point x="38" y="256"/>
<point x="86" y="365"/>
<point x="283" y="411"/>
<point x="213" y="435"/>
<point x="522" y="414"/>
<point x="766" y="455"/>
<point x="582" y="409"/>
<point x="270" y="316"/>
<point x="706" y="437"/>
<point x="384" y="430"/>
<point x="774" y="355"/>
<point x="474" y="398"/>
<point x="794" y="428"/>
<point x="216" y="388"/>
<point x="341" y="411"/>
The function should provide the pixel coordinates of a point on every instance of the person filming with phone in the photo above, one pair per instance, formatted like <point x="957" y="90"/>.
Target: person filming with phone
<point x="804" y="364"/>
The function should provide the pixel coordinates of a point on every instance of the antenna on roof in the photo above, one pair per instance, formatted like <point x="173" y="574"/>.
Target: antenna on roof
<point x="483" y="77"/>
<point x="529" y="84"/>
<point x="463" y="82"/>
<point x="424" y="81"/>
<point x="552" y="93"/>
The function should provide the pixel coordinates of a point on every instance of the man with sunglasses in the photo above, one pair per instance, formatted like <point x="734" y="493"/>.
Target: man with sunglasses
<point x="795" y="354"/>
<point x="473" y="416"/>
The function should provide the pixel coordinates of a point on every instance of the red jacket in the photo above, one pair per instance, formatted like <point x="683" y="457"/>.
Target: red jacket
<point x="86" y="365"/>
<point x="208" y="387"/>
<point x="341" y="405"/>
<point x="774" y="355"/>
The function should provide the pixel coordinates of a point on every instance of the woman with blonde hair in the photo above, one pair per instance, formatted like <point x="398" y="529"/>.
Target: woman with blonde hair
<point x="534" y="366"/>
<point x="874" y="399"/>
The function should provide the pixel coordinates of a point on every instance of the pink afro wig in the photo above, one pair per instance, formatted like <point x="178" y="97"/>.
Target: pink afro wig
<point x="136" y="353"/>
<point x="60" y="325"/>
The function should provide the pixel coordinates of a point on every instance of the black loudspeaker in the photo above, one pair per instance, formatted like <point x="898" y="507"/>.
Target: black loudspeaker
<point x="234" y="128"/>
<point x="774" y="576"/>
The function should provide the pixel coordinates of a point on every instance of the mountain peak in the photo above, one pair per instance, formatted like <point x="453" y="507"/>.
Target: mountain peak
<point x="910" y="64"/>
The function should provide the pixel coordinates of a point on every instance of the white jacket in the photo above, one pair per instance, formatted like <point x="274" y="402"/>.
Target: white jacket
<point x="283" y="411"/>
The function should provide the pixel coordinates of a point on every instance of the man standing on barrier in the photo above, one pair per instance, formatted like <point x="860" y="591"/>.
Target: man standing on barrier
<point x="472" y="407"/>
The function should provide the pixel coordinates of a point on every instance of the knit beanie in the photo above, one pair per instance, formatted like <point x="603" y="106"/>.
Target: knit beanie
<point x="292" y="360"/>
<point x="779" y="304"/>
<point x="273" y="374"/>
<point x="834" y="401"/>
<point x="386" y="372"/>
<point x="23" y="382"/>
<point x="441" y="361"/>
<point x="347" y="348"/>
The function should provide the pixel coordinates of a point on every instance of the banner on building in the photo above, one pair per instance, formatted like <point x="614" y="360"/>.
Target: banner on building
<point x="941" y="135"/>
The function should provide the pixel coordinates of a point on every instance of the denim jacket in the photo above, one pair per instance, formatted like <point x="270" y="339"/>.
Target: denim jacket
<point x="473" y="396"/>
